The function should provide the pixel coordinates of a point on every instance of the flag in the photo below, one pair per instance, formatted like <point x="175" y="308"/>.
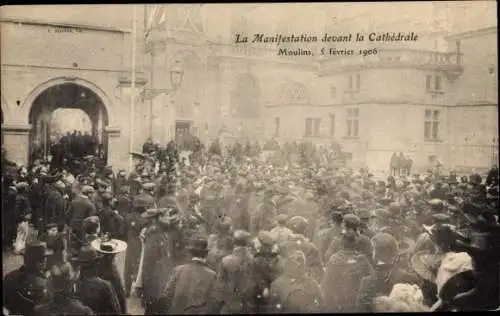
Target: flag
<point x="157" y="18"/>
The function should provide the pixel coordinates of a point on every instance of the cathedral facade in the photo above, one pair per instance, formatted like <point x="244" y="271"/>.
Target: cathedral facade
<point x="433" y="102"/>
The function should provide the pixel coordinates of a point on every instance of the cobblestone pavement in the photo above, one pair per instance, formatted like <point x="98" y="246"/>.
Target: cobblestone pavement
<point x="11" y="261"/>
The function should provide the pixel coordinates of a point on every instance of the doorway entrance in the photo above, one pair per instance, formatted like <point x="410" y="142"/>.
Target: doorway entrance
<point x="183" y="134"/>
<point x="69" y="120"/>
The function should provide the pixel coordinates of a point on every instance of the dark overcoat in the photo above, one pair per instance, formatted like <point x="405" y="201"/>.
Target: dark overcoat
<point x="193" y="289"/>
<point x="98" y="294"/>
<point x="26" y="288"/>
<point x="237" y="283"/>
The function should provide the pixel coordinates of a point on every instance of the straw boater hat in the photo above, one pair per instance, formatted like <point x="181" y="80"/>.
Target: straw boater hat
<point x="112" y="246"/>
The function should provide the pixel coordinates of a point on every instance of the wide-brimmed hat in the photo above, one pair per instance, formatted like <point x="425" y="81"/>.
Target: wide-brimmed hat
<point x="111" y="246"/>
<point x="426" y="264"/>
<point x="86" y="255"/>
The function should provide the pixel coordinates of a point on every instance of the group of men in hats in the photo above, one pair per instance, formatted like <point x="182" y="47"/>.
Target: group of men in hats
<point x="249" y="237"/>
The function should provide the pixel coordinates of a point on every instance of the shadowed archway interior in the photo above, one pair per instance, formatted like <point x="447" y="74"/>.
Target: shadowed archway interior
<point x="65" y="96"/>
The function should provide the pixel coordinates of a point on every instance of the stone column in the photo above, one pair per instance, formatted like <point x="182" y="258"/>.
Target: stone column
<point x="16" y="142"/>
<point x="117" y="149"/>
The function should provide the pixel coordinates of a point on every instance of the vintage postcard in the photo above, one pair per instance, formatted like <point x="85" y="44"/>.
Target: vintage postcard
<point x="250" y="157"/>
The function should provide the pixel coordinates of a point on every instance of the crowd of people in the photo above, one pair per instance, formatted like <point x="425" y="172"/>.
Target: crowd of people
<point x="229" y="235"/>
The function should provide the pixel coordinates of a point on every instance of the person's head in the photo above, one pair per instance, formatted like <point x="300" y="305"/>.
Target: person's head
<point x="298" y="225"/>
<point x="385" y="248"/>
<point x="52" y="229"/>
<point x="241" y="238"/>
<point x="91" y="225"/>
<point x="198" y="247"/>
<point x="61" y="280"/>
<point x="350" y="229"/>
<point x="403" y="298"/>
<point x="35" y="256"/>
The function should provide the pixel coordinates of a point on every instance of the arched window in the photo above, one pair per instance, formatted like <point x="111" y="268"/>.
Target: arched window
<point x="245" y="98"/>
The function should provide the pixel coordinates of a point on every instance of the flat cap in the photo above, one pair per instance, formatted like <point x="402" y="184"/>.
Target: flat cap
<point x="436" y="205"/>
<point x="351" y="220"/>
<point x="441" y="218"/>
<point x="149" y="186"/>
<point x="265" y="238"/>
<point x="298" y="224"/>
<point x="241" y="238"/>
<point x="281" y="219"/>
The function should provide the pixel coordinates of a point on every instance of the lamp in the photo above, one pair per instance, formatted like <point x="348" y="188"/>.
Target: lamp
<point x="176" y="75"/>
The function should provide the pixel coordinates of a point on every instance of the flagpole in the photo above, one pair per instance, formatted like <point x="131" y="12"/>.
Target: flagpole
<point x="133" y="92"/>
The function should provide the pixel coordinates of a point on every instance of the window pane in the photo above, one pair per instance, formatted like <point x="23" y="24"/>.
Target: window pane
<point x="277" y="125"/>
<point x="437" y="83"/>
<point x="355" y="131"/>
<point x="356" y="112"/>
<point x="349" y="132"/>
<point x="427" y="130"/>
<point x="428" y="80"/>
<point x="358" y="81"/>
<point x="435" y="115"/>
<point x="350" y="82"/>
<point x="435" y="130"/>
<point x="349" y="112"/>
<point x="427" y="114"/>
<point x="308" y="127"/>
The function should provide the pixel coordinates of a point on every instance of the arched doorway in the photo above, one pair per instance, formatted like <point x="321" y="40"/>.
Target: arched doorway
<point x="79" y="103"/>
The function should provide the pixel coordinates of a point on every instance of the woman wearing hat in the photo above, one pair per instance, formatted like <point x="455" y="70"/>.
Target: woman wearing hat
<point x="107" y="267"/>
<point x="93" y="291"/>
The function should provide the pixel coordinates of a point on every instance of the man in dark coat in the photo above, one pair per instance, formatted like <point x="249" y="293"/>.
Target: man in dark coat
<point x="60" y="301"/>
<point x="298" y="241"/>
<point x="193" y="287"/>
<point x="80" y="208"/>
<point x="385" y="274"/>
<point x="27" y="286"/>
<point x="265" y="216"/>
<point x="326" y="236"/>
<point x="235" y="275"/>
<point x="119" y="182"/>
<point x="351" y="223"/>
<point x="220" y="244"/>
<point x="91" y="290"/>
<point x="294" y="291"/>
<point x="344" y="271"/>
<point x="54" y="206"/>
<point x="158" y="263"/>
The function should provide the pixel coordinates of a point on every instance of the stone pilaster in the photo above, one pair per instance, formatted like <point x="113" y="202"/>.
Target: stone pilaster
<point x="16" y="142"/>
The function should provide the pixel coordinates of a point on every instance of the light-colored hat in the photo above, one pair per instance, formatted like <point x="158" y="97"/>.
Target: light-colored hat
<point x="111" y="246"/>
<point x="452" y="264"/>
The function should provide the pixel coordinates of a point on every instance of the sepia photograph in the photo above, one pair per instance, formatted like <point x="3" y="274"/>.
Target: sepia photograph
<point x="250" y="158"/>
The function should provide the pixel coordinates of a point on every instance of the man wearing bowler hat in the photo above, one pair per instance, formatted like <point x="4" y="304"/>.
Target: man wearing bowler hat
<point x="193" y="287"/>
<point x="93" y="291"/>
<point x="26" y="287"/>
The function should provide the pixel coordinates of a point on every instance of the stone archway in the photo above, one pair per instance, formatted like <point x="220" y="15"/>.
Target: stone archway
<point x="67" y="95"/>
